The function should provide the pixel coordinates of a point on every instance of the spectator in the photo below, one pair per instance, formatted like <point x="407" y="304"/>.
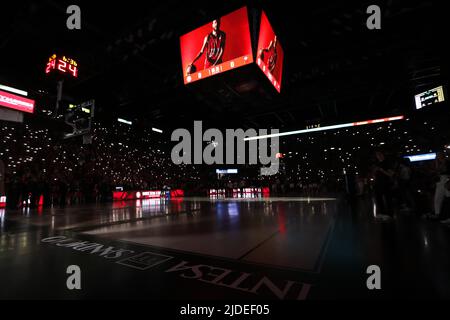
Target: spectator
<point x="2" y="178"/>
<point x="442" y="169"/>
<point x="404" y="182"/>
<point x="383" y="175"/>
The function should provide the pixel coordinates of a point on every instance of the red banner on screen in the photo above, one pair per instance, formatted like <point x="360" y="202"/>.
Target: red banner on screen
<point x="2" y="201"/>
<point x="270" y="54"/>
<point x="133" y="195"/>
<point x="15" y="102"/>
<point x="226" y="45"/>
<point x="137" y="195"/>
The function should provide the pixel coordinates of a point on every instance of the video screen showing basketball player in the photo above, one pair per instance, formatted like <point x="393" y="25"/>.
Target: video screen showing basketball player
<point x="218" y="46"/>
<point x="270" y="53"/>
<point x="213" y="46"/>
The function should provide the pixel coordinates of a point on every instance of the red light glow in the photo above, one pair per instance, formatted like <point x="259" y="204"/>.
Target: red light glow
<point x="2" y="202"/>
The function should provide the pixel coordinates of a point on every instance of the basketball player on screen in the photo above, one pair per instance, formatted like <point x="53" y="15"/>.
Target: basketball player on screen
<point x="214" y="45"/>
<point x="273" y="55"/>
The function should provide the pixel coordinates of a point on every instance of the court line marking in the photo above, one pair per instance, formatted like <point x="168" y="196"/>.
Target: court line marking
<point x="315" y="271"/>
<point x="123" y="261"/>
<point x="322" y="253"/>
<point x="258" y="245"/>
<point x="208" y="256"/>
<point x="325" y="246"/>
<point x="110" y="224"/>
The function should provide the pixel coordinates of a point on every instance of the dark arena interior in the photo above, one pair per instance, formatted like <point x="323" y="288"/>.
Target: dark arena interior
<point x="261" y="152"/>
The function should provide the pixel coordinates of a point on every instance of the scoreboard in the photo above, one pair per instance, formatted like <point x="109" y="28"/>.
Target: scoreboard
<point x="62" y="65"/>
<point x="231" y="42"/>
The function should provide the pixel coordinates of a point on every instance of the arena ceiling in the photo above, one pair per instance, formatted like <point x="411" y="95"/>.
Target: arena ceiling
<point x="335" y="68"/>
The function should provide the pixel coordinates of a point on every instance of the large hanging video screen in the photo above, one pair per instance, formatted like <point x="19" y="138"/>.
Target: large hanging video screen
<point x="270" y="56"/>
<point x="219" y="46"/>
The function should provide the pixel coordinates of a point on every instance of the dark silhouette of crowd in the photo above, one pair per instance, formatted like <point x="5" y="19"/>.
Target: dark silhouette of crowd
<point x="42" y="168"/>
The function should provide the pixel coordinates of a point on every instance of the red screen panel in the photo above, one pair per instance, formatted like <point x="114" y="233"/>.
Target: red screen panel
<point x="15" y="102"/>
<point x="133" y="195"/>
<point x="229" y="47"/>
<point x="270" y="54"/>
<point x="2" y="201"/>
<point x="148" y="194"/>
<point x="121" y="195"/>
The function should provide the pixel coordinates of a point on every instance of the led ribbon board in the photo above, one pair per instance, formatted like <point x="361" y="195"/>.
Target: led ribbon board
<point x="227" y="171"/>
<point x="13" y="90"/>
<point x="334" y="127"/>
<point x="133" y="195"/>
<point x="15" y="102"/>
<point x="125" y="121"/>
<point x="421" y="157"/>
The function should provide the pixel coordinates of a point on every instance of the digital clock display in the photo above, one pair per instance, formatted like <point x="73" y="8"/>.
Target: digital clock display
<point x="62" y="65"/>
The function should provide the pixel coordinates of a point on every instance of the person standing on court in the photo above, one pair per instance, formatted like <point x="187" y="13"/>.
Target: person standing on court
<point x="2" y="178"/>
<point x="383" y="175"/>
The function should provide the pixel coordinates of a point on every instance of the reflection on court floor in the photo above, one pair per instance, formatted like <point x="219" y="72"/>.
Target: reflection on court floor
<point x="270" y="231"/>
<point x="321" y="242"/>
